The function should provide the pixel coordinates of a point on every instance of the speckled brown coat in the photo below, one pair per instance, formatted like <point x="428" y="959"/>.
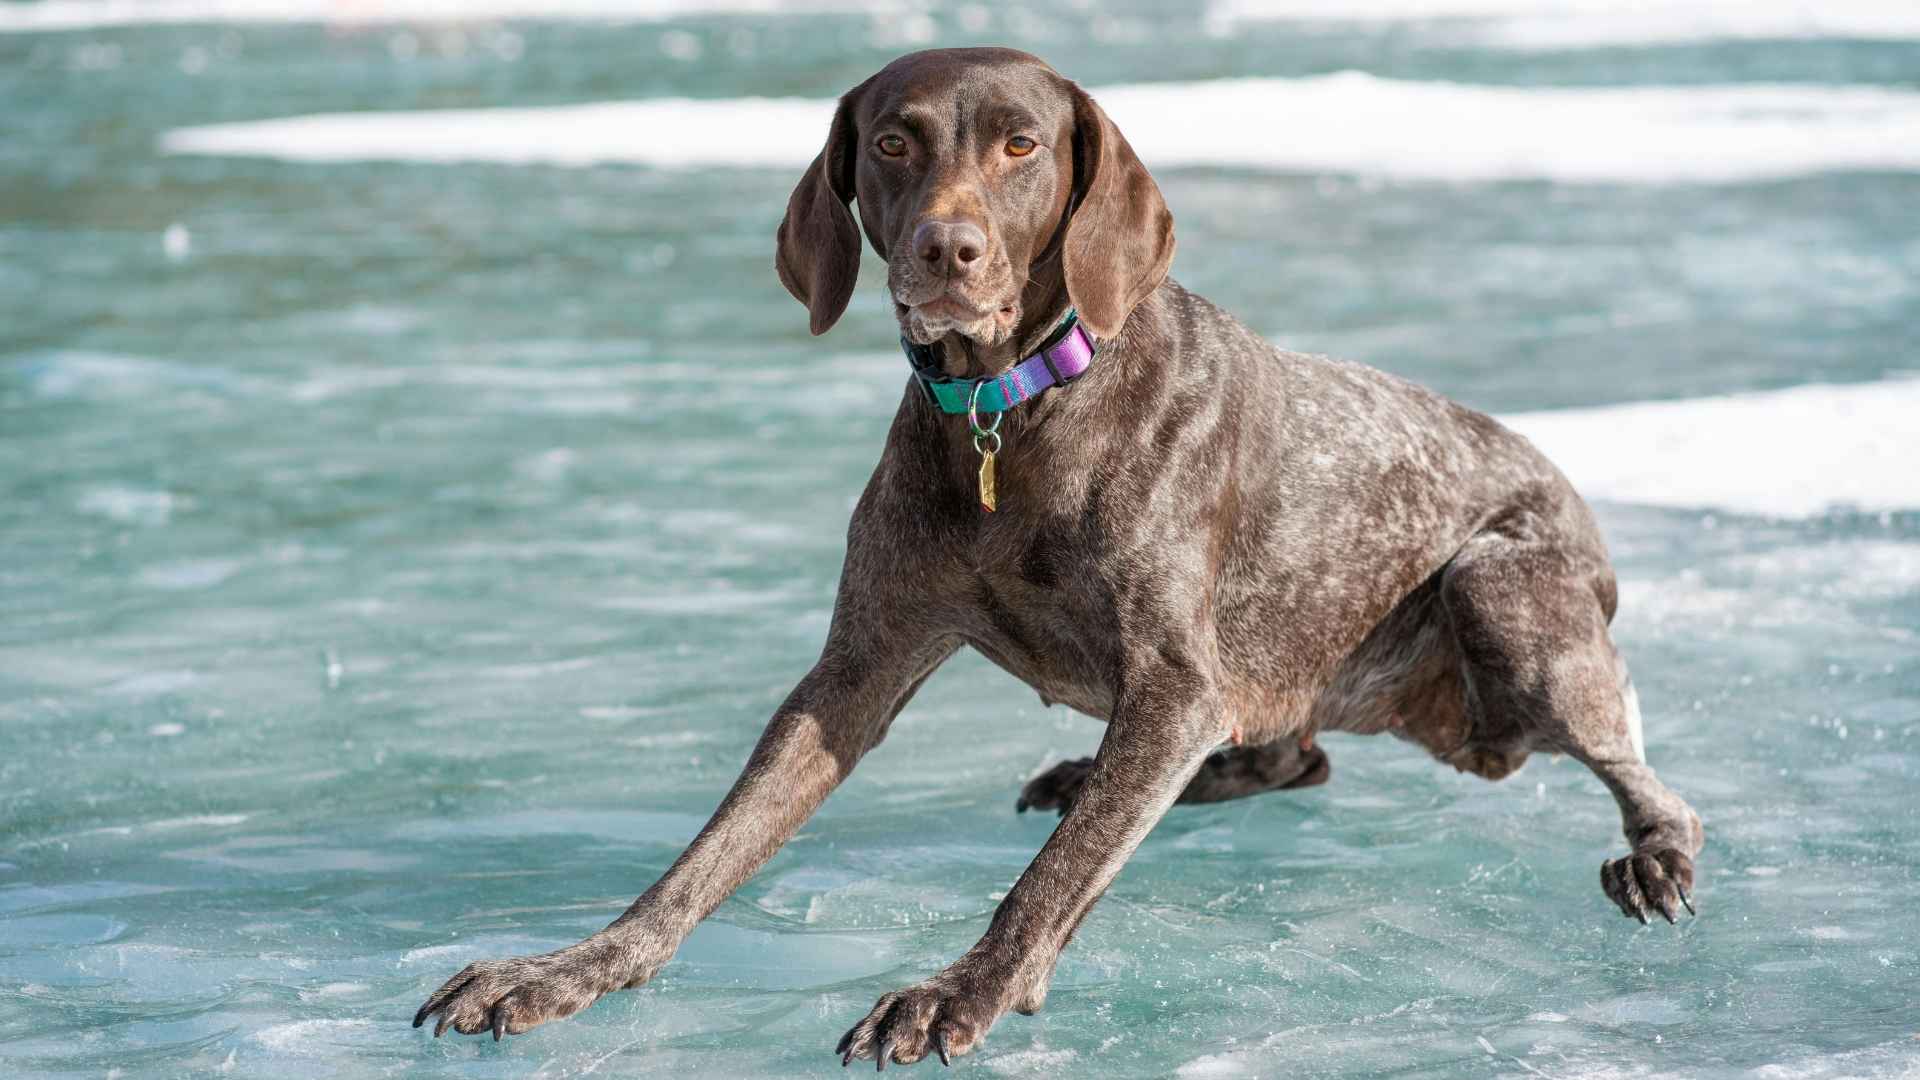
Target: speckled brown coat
<point x="1216" y="546"/>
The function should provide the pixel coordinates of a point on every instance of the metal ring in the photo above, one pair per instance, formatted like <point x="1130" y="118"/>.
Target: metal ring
<point x="973" y="418"/>
<point x="978" y="439"/>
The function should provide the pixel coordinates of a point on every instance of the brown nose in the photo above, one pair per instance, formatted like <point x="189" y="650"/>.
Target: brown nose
<point x="949" y="248"/>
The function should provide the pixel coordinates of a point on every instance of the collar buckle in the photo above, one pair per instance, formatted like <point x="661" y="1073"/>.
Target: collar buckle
<point x="926" y="366"/>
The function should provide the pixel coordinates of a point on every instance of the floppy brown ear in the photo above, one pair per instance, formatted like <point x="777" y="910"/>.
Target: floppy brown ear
<point x="818" y="256"/>
<point x="1120" y="238"/>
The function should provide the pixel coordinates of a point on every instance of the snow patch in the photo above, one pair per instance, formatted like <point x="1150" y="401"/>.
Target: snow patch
<point x="1790" y="453"/>
<point x="1573" y="24"/>
<point x="1341" y="123"/>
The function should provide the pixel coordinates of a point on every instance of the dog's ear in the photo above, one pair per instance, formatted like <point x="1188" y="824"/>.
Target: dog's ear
<point x="1119" y="240"/>
<point x="818" y="256"/>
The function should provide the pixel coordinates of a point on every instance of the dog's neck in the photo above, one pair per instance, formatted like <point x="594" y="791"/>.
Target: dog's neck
<point x="1042" y="309"/>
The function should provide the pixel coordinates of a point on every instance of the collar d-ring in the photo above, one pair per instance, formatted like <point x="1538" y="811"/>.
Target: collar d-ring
<point x="973" y="416"/>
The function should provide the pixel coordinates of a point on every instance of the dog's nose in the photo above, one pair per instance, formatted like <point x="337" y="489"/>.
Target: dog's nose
<point x="949" y="248"/>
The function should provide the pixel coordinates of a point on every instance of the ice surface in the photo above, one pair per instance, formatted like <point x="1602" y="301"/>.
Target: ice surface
<point x="48" y="15"/>
<point x="389" y="583"/>
<point x="1347" y="122"/>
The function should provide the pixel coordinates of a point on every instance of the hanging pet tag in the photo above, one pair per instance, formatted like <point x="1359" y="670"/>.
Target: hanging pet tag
<point x="989" y="499"/>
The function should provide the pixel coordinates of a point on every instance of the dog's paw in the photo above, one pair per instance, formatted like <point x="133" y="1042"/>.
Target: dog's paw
<point x="518" y="994"/>
<point x="1056" y="788"/>
<point x="938" y="1017"/>
<point x="1314" y="770"/>
<point x="1656" y="879"/>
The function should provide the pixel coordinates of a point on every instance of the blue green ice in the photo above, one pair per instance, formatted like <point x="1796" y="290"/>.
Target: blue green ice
<point x="380" y="590"/>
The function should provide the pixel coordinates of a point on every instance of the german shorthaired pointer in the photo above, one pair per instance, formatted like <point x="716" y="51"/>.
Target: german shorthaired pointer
<point x="1141" y="509"/>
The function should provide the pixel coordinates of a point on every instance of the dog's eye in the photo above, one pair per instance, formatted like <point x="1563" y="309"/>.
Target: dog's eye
<point x="892" y="145"/>
<point x="1020" y="146"/>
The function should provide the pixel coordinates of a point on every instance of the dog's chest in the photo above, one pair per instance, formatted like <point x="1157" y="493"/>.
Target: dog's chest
<point x="1040" y="621"/>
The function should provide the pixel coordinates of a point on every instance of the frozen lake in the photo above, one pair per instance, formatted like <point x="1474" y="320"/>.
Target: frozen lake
<point x="378" y="594"/>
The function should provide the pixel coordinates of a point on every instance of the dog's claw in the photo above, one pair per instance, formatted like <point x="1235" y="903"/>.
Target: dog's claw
<point x="442" y="999"/>
<point x="941" y="1016"/>
<point x="1648" y="881"/>
<point x="507" y="997"/>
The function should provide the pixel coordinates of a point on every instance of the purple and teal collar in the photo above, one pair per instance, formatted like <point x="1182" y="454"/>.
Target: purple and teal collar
<point x="1066" y="353"/>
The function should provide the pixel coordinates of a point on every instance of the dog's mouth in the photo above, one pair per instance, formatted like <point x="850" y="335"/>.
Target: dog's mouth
<point x="950" y="307"/>
<point x="930" y="320"/>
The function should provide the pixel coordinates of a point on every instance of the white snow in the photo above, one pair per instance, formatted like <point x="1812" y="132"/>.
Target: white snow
<point x="1784" y="453"/>
<point x="1345" y="123"/>
<point x="1569" y="24"/>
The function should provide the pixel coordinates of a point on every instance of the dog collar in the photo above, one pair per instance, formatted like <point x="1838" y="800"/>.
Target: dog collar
<point x="1066" y="353"/>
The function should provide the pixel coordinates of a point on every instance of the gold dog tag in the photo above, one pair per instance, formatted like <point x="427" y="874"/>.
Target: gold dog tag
<point x="986" y="482"/>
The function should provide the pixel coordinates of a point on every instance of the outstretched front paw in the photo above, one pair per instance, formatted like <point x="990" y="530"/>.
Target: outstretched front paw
<point x="1056" y="788"/>
<point x="936" y="1017"/>
<point x="1656" y="879"/>
<point x="518" y="994"/>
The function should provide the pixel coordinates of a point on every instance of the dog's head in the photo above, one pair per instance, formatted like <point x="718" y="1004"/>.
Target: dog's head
<point x="986" y="180"/>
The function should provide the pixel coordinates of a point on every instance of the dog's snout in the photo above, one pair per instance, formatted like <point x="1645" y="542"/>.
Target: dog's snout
<point x="949" y="248"/>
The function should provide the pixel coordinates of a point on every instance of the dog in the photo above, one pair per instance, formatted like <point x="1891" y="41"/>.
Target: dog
<point x="1218" y="547"/>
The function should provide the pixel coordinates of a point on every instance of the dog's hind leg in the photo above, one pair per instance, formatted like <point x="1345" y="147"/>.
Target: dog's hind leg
<point x="1232" y="772"/>
<point x="1529" y="601"/>
<point x="1663" y="831"/>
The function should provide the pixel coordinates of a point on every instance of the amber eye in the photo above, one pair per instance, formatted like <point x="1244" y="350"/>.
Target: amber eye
<point x="892" y="145"/>
<point x="1020" y="146"/>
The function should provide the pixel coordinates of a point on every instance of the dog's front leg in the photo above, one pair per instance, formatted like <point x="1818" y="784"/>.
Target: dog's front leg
<point x="837" y="713"/>
<point x="1156" y="740"/>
